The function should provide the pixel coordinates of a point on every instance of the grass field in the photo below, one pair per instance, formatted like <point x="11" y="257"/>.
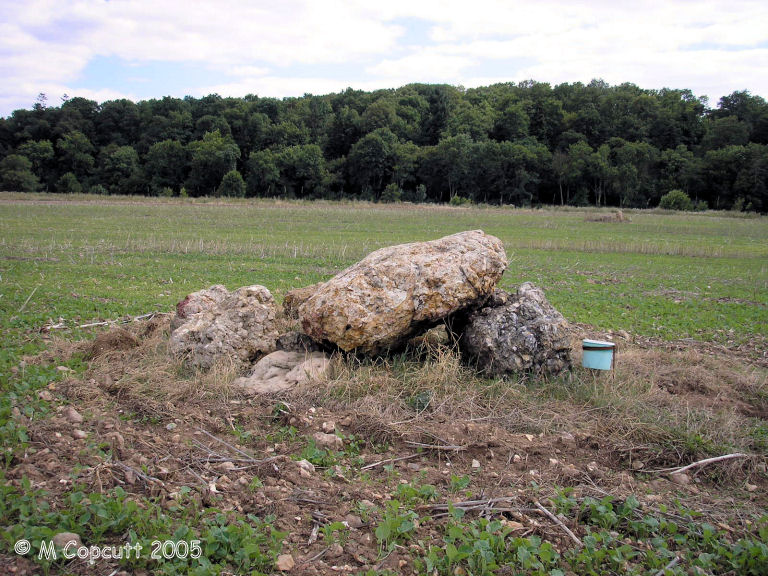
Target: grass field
<point x="161" y="454"/>
<point x="702" y="276"/>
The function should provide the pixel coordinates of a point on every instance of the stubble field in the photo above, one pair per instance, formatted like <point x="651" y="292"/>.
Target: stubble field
<point x="164" y="454"/>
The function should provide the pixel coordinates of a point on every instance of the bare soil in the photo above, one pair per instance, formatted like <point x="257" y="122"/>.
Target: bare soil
<point x="166" y="428"/>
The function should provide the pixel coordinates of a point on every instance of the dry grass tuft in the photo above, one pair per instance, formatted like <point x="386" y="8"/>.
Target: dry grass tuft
<point x="615" y="216"/>
<point x="402" y="387"/>
<point x="671" y="405"/>
<point x="145" y="378"/>
<point x="374" y="429"/>
<point x="697" y="379"/>
<point x="663" y="405"/>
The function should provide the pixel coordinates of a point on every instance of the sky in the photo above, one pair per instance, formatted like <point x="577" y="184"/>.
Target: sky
<point x="141" y="49"/>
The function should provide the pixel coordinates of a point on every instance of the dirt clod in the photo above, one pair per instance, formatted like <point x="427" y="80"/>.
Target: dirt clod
<point x="329" y="427"/>
<point x="285" y="562"/>
<point x="61" y="540"/>
<point x="73" y="415"/>
<point x="116" y="340"/>
<point x="323" y="440"/>
<point x="681" y="479"/>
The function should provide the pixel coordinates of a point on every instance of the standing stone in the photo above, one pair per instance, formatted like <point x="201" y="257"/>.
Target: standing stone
<point x="516" y="333"/>
<point x="200" y="301"/>
<point x="240" y="327"/>
<point x="394" y="292"/>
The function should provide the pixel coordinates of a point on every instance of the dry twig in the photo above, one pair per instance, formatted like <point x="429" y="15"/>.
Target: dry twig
<point x="138" y="473"/>
<point x="671" y="471"/>
<point x="669" y="566"/>
<point x="559" y="522"/>
<point x="126" y="320"/>
<point x="248" y="457"/>
<point x="389" y="461"/>
<point x="21" y="309"/>
<point x="62" y="325"/>
<point x="486" y="505"/>
<point x="447" y="447"/>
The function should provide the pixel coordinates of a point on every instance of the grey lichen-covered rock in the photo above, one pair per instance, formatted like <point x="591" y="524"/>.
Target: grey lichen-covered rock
<point x="516" y="333"/>
<point x="395" y="292"/>
<point x="240" y="327"/>
<point x="197" y="302"/>
<point x="282" y="370"/>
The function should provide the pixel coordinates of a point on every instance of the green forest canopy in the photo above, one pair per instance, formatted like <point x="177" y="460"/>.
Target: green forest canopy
<point x="522" y="144"/>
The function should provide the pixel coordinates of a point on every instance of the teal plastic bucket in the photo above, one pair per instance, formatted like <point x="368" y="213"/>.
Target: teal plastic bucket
<point x="598" y="354"/>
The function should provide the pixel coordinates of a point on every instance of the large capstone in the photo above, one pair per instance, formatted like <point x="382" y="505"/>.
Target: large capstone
<point x="296" y="297"/>
<point x="515" y="333"/>
<point x="240" y="328"/>
<point x="395" y="292"/>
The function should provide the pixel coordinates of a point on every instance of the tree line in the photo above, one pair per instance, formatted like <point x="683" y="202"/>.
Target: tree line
<point x="523" y="144"/>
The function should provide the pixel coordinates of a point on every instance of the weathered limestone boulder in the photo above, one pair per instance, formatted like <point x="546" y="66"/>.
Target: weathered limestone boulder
<point x="240" y="327"/>
<point x="296" y="297"/>
<point x="282" y="370"/>
<point x="197" y="302"/>
<point x="516" y="333"/>
<point x="395" y="292"/>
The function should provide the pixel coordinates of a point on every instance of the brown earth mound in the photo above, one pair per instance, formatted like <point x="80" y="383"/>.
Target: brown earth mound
<point x="117" y="339"/>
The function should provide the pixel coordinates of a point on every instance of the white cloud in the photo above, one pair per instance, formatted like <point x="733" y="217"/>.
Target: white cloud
<point x="248" y="71"/>
<point x="647" y="44"/>
<point x="427" y="65"/>
<point x="287" y="86"/>
<point x="47" y="44"/>
<point x="283" y="33"/>
<point x="270" y="85"/>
